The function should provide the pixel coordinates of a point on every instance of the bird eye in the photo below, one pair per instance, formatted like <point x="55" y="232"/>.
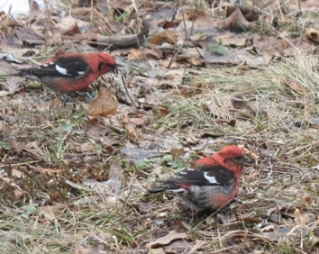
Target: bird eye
<point x="239" y="158"/>
<point x="100" y="66"/>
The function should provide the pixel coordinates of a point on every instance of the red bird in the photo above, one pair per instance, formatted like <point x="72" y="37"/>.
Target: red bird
<point x="70" y="72"/>
<point x="210" y="183"/>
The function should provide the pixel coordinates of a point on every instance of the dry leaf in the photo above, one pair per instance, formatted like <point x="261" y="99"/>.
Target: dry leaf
<point x="163" y="111"/>
<point x="17" y="173"/>
<point x="192" y="14"/>
<point x="136" y="54"/>
<point x="165" y="36"/>
<point x="153" y="53"/>
<point x="249" y="154"/>
<point x="116" y="175"/>
<point x="174" y="65"/>
<point x="231" y="122"/>
<point x="231" y="40"/>
<point x="29" y="36"/>
<point x="269" y="46"/>
<point x="18" y="193"/>
<point x="50" y="212"/>
<point x="165" y="240"/>
<point x="296" y="88"/>
<point x="49" y="171"/>
<point x="129" y="128"/>
<point x="143" y="54"/>
<point x="177" y="152"/>
<point x="253" y="175"/>
<point x="82" y="148"/>
<point x="236" y="22"/>
<point x="178" y="246"/>
<point x="138" y="121"/>
<point x="248" y="13"/>
<point x="298" y="217"/>
<point x="104" y="104"/>
<point x="195" y="61"/>
<point x="312" y="34"/>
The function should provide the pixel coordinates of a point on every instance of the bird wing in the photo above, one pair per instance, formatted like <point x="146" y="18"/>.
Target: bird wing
<point x="204" y="176"/>
<point x="72" y="67"/>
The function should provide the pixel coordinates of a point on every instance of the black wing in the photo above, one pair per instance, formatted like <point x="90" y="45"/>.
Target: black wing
<point x="206" y="176"/>
<point x="72" y="67"/>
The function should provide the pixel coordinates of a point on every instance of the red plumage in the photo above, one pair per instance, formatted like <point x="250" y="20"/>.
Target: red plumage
<point x="70" y="72"/>
<point x="210" y="182"/>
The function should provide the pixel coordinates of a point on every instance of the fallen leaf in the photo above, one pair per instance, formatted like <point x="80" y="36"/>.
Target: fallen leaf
<point x="82" y="148"/>
<point x="116" y="175"/>
<point x="231" y="122"/>
<point x="18" y="193"/>
<point x="195" y="61"/>
<point x="178" y="246"/>
<point x="312" y="34"/>
<point x="250" y="154"/>
<point x="29" y="36"/>
<point x="231" y="40"/>
<point x="104" y="104"/>
<point x="17" y="173"/>
<point x="269" y="47"/>
<point x="136" y="54"/>
<point x="177" y="152"/>
<point x="143" y="54"/>
<point x="49" y="171"/>
<point x="193" y="14"/>
<point x="158" y="251"/>
<point x="170" y="237"/>
<point x="129" y="128"/>
<point x="236" y="22"/>
<point x="164" y="36"/>
<point x="248" y="13"/>
<point x="298" y="217"/>
<point x="296" y="89"/>
<point x="163" y="111"/>
<point x="138" y="121"/>
<point x="50" y="212"/>
<point x="253" y="175"/>
<point x="280" y="234"/>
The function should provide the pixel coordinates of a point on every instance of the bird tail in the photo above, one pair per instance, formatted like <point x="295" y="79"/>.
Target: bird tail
<point x="157" y="189"/>
<point x="166" y="186"/>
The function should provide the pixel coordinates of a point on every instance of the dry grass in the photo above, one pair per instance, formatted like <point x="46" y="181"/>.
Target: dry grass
<point x="284" y="180"/>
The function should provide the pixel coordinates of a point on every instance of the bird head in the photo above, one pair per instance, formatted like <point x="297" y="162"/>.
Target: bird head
<point x="232" y="156"/>
<point x="106" y="63"/>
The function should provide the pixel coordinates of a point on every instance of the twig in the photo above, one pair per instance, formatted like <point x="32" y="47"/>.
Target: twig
<point x="91" y="14"/>
<point x="173" y="57"/>
<point x="127" y="93"/>
<point x="193" y="21"/>
<point x="174" y="11"/>
<point x="299" y="5"/>
<point x="184" y="22"/>
<point x="49" y="20"/>
<point x="19" y="164"/>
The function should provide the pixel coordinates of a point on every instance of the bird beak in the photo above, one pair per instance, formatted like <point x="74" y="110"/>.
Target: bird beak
<point x="114" y="69"/>
<point x="247" y="161"/>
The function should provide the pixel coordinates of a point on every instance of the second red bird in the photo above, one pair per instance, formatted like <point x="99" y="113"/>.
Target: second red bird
<point x="209" y="183"/>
